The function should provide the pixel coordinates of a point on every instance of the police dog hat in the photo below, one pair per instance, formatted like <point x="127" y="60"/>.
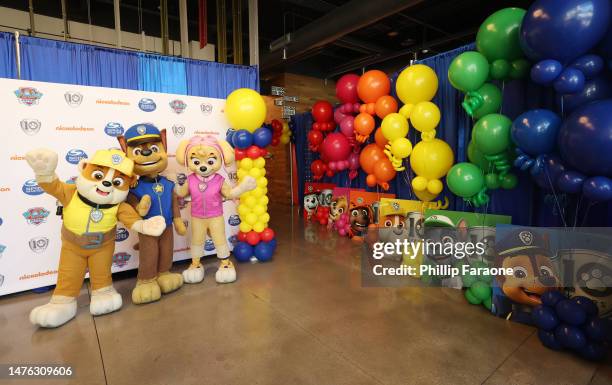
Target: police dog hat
<point x="522" y="242"/>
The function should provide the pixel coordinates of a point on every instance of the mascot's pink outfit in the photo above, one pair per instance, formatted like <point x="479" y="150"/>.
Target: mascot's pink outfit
<point x="206" y="199"/>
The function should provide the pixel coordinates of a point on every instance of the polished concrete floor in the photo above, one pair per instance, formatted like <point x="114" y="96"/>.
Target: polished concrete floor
<point x="301" y="319"/>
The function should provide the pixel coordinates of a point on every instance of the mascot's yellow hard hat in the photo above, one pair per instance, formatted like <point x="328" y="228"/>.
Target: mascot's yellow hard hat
<point x="114" y="159"/>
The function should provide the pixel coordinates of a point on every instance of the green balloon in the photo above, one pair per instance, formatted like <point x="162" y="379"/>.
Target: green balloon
<point x="519" y="69"/>
<point x="508" y="181"/>
<point x="481" y="290"/>
<point x="477" y="157"/>
<point x="488" y="303"/>
<point x="491" y="134"/>
<point x="468" y="280"/>
<point x="500" y="69"/>
<point x="471" y="298"/>
<point x="468" y="71"/>
<point x="498" y="35"/>
<point x="465" y="179"/>
<point x="492" y="181"/>
<point x="492" y="98"/>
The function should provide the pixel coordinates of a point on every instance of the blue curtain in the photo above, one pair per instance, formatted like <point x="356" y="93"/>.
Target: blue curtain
<point x="527" y="204"/>
<point x="71" y="63"/>
<point x="8" y="68"/>
<point x="162" y="74"/>
<point x="204" y="78"/>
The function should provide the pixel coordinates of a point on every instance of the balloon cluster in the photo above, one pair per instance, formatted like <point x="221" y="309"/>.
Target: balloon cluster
<point x="478" y="287"/>
<point x="560" y="42"/>
<point x="572" y="324"/>
<point x="246" y="111"/>
<point x="280" y="132"/>
<point x="321" y="215"/>
<point x="343" y="225"/>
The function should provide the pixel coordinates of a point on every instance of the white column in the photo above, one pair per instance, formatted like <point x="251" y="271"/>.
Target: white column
<point x="184" y="28"/>
<point x="117" y="22"/>
<point x="253" y="33"/>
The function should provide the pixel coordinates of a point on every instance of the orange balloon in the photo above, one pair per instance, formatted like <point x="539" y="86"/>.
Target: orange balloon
<point x="371" y="108"/>
<point x="369" y="156"/>
<point x="380" y="139"/>
<point x="384" y="171"/>
<point x="385" y="105"/>
<point x="363" y="124"/>
<point x="371" y="180"/>
<point x="372" y="85"/>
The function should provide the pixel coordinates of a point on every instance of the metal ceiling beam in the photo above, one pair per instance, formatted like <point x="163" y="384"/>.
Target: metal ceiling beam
<point x="341" y="21"/>
<point x="424" y="24"/>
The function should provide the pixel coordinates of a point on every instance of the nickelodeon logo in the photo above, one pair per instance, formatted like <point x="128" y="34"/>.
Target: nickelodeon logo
<point x="112" y="102"/>
<point x="5" y="189"/>
<point x="17" y="157"/>
<point x="74" y="129"/>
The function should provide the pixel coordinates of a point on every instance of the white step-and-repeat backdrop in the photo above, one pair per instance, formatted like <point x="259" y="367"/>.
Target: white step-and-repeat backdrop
<point x="75" y="121"/>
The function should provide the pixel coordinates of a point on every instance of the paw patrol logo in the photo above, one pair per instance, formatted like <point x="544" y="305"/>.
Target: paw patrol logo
<point x="206" y="108"/>
<point x="113" y="129"/>
<point x="75" y="155"/>
<point x="73" y="99"/>
<point x="121" y="259"/>
<point x="36" y="215"/>
<point x="233" y="240"/>
<point x="178" y="130"/>
<point x="38" y="244"/>
<point x="28" y="95"/>
<point x="122" y="234"/>
<point x="209" y="245"/>
<point x="71" y="180"/>
<point x="2" y="248"/>
<point x="395" y="206"/>
<point x="360" y="201"/>
<point x="116" y="159"/>
<point x="147" y="105"/>
<point x="1" y="280"/>
<point x="233" y="220"/>
<point x="526" y="237"/>
<point x="178" y="106"/>
<point x="30" y="126"/>
<point x="30" y="187"/>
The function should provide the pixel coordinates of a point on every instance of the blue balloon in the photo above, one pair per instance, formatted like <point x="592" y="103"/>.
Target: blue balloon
<point x="570" y="312"/>
<point x="544" y="318"/>
<point x="570" y="182"/>
<point x="570" y="336"/>
<point x="598" y="188"/>
<point x="242" y="139"/>
<point x="549" y="340"/>
<point x="593" y="351"/>
<point x="570" y="81"/>
<point x="535" y="131"/>
<point x="595" y="329"/>
<point x="262" y="137"/>
<point x="590" y="65"/>
<point x="546" y="171"/>
<point x="546" y="71"/>
<point x="243" y="252"/>
<point x="587" y="304"/>
<point x="594" y="89"/>
<point x="551" y="298"/>
<point x="563" y="30"/>
<point x="264" y="251"/>
<point x="585" y="138"/>
<point x="229" y="135"/>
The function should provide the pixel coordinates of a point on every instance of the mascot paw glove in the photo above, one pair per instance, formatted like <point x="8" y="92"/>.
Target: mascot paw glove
<point x="43" y="162"/>
<point x="153" y="226"/>
<point x="179" y="226"/>
<point x="144" y="205"/>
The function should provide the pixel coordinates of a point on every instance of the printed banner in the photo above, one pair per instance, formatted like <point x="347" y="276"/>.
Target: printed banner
<point x="75" y="121"/>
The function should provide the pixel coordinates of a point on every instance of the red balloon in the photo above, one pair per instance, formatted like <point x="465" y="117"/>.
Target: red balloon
<point x="253" y="152"/>
<point x="329" y="126"/>
<point x="242" y="236"/>
<point x="267" y="235"/>
<point x="322" y="111"/>
<point x="329" y="173"/>
<point x="239" y="154"/>
<point x="335" y="147"/>
<point x="252" y="238"/>
<point x="370" y="155"/>
<point x="318" y="169"/>
<point x="276" y="125"/>
<point x="275" y="141"/>
<point x="315" y="138"/>
<point x="316" y="126"/>
<point x="346" y="88"/>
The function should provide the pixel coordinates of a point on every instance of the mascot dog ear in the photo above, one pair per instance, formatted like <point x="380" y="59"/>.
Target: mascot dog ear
<point x="181" y="152"/>
<point x="228" y="152"/>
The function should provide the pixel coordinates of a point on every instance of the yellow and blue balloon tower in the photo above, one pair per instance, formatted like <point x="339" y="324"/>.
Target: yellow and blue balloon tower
<point x="246" y="111"/>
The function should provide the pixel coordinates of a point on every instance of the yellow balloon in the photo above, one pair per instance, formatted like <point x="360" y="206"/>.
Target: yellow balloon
<point x="285" y="126"/>
<point x="394" y="126"/>
<point x="257" y="192"/>
<point x="245" y="109"/>
<point x="425" y="116"/>
<point x="284" y="139"/>
<point x="435" y="186"/>
<point x="431" y="159"/>
<point x="425" y="195"/>
<point x="259" y="162"/>
<point x="419" y="183"/>
<point x="417" y="83"/>
<point x="245" y="227"/>
<point x="265" y="218"/>
<point x="265" y="191"/>
<point x="241" y="173"/>
<point x="406" y="110"/>
<point x="259" y="209"/>
<point x="263" y="172"/>
<point x="255" y="172"/>
<point x="246" y="164"/>
<point x="250" y="201"/>
<point x="243" y="210"/>
<point x="401" y="147"/>
<point x="259" y="227"/>
<point x="264" y="200"/>
<point x="251" y="219"/>
<point x="262" y="181"/>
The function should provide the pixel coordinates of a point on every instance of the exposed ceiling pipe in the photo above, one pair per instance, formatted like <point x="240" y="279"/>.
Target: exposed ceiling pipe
<point x="341" y="21"/>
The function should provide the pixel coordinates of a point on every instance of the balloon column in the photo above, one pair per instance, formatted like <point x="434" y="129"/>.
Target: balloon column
<point x="246" y="111"/>
<point x="560" y="42"/>
<point x="280" y="132"/>
<point x="572" y="324"/>
<point x="346" y="92"/>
